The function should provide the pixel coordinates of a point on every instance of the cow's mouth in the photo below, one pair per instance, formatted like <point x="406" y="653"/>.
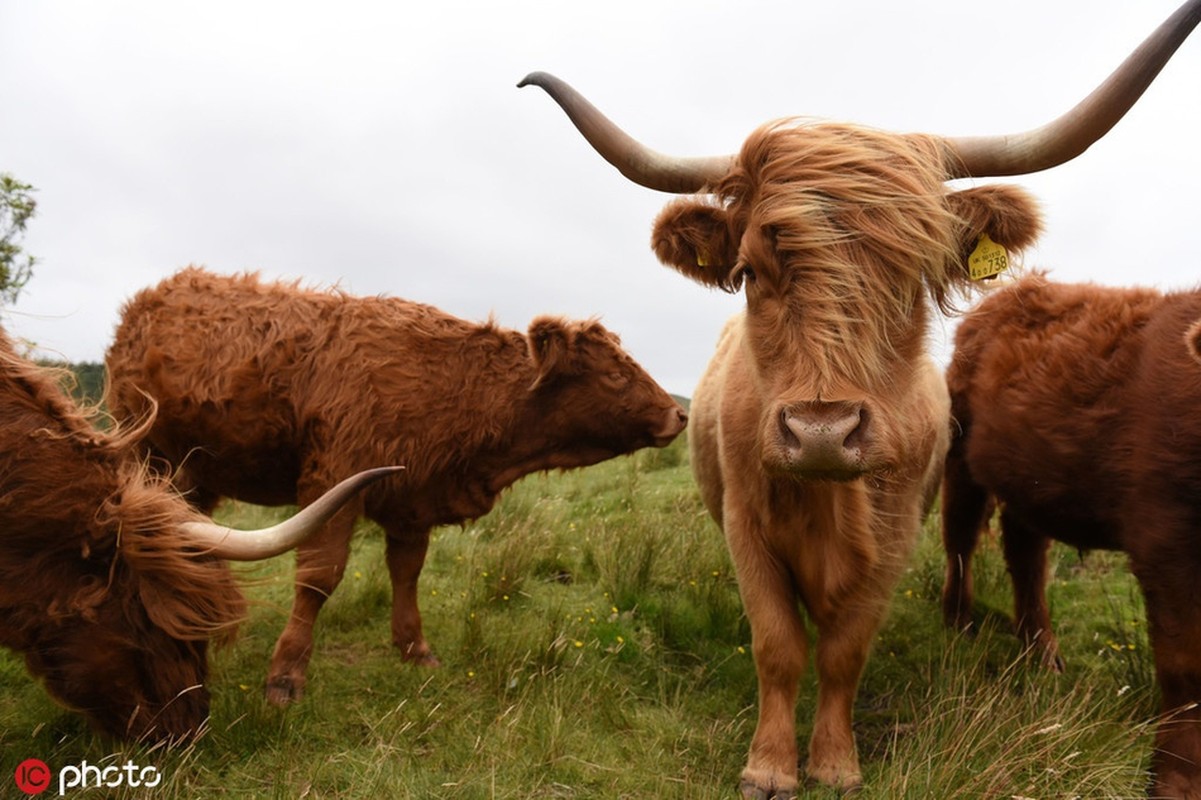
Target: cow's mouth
<point x="844" y="474"/>
<point x="663" y="440"/>
<point x="676" y="421"/>
<point x="830" y="476"/>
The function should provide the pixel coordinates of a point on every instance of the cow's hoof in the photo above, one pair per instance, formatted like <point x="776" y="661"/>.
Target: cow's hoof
<point x="1046" y="656"/>
<point x="423" y="657"/>
<point x="762" y="783"/>
<point x="282" y="692"/>
<point x="1053" y="661"/>
<point x="841" y="780"/>
<point x="963" y="624"/>
<point x="752" y="791"/>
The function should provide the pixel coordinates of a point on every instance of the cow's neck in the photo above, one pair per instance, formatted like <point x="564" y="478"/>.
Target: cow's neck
<point x="848" y="529"/>
<point x="521" y="463"/>
<point x="518" y="440"/>
<point x="534" y="444"/>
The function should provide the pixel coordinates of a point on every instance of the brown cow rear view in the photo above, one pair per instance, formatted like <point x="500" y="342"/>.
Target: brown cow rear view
<point x="271" y="393"/>
<point x="1078" y="408"/>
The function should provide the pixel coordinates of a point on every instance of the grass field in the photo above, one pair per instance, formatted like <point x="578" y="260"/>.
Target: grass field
<point x="593" y="646"/>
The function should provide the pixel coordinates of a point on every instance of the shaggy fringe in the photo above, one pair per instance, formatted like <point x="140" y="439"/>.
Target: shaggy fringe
<point x="856" y="214"/>
<point x="190" y="595"/>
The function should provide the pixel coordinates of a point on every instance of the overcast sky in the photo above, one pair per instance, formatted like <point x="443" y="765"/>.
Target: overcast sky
<point x="384" y="147"/>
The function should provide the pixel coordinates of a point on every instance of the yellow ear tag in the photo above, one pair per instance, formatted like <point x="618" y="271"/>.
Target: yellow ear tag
<point x="988" y="260"/>
<point x="702" y="258"/>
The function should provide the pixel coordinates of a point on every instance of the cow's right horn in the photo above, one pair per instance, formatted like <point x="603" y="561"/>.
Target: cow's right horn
<point x="1070" y="135"/>
<point x="237" y="545"/>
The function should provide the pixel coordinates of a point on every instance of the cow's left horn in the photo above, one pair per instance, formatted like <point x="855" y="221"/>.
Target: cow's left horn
<point x="633" y="159"/>
<point x="1071" y="134"/>
<point x="237" y="545"/>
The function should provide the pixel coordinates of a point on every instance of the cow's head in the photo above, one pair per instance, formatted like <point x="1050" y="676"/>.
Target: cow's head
<point x="595" y="395"/>
<point x="836" y="233"/>
<point x="127" y="616"/>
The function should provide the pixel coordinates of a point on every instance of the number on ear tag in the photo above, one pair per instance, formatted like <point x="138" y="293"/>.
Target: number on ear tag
<point x="988" y="260"/>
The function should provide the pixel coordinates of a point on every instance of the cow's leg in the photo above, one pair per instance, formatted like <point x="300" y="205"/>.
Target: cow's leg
<point x="780" y="647"/>
<point x="406" y="555"/>
<point x="1026" y="557"/>
<point x="1174" y="617"/>
<point x="320" y="563"/>
<point x="844" y="637"/>
<point x="963" y="508"/>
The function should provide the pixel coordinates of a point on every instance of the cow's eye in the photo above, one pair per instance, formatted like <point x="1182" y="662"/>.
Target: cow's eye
<point x="617" y="379"/>
<point x="742" y="273"/>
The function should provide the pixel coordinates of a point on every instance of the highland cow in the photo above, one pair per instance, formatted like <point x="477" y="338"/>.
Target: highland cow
<point x="820" y="420"/>
<point x="270" y="393"/>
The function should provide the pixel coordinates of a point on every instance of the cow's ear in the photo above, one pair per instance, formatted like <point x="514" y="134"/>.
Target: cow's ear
<point x="1009" y="215"/>
<point x="694" y="237"/>
<point x="550" y="345"/>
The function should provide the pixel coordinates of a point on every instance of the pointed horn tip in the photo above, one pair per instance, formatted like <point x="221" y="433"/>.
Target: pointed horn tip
<point x="533" y="79"/>
<point x="361" y="480"/>
<point x="380" y="472"/>
<point x="365" y="478"/>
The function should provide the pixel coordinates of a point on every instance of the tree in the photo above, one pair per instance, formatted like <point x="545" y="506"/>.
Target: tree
<point x="16" y="207"/>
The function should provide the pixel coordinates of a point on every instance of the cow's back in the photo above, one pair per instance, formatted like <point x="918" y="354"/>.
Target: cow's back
<point x="1039" y="368"/>
<point x="251" y="377"/>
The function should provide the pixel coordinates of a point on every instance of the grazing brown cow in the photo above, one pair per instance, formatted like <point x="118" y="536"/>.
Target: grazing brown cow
<point x="1076" y="409"/>
<point x="820" y="420"/>
<point x="111" y="585"/>
<point x="271" y="393"/>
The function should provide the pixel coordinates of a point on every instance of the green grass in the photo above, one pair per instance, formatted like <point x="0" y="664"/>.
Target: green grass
<point x="593" y="646"/>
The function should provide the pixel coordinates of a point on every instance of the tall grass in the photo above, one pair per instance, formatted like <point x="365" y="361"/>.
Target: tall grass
<point x="593" y="645"/>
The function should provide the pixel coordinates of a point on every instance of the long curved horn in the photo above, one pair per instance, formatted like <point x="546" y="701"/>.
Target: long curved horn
<point x="635" y="160"/>
<point x="1071" y="134"/>
<point x="237" y="545"/>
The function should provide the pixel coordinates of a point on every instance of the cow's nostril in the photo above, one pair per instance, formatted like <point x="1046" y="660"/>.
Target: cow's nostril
<point x="790" y="438"/>
<point x="858" y="435"/>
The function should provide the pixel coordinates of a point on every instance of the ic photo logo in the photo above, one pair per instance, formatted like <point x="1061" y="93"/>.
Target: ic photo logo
<point x="34" y="776"/>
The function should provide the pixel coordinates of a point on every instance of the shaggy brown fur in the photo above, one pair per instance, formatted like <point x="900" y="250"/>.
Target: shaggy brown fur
<point x="99" y="589"/>
<point x="272" y="393"/>
<point x="1076" y="409"/>
<point x="820" y="425"/>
